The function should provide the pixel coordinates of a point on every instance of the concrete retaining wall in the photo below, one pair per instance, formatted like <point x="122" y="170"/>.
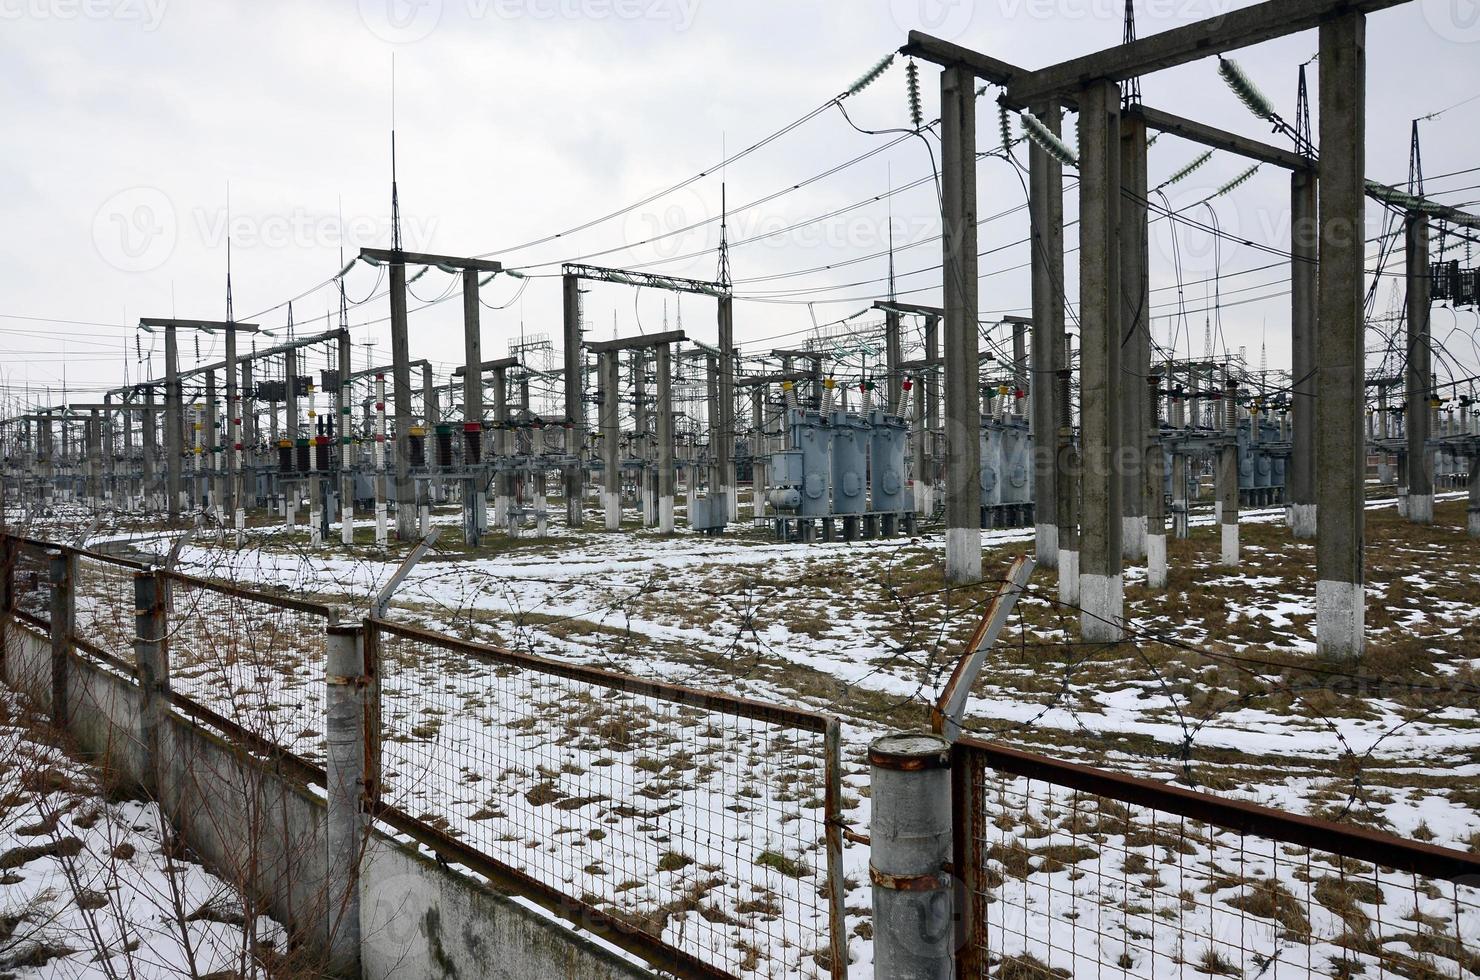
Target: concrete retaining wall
<point x="262" y="829"/>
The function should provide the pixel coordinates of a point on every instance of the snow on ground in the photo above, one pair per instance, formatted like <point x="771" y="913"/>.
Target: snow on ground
<point x="88" y="889"/>
<point x="1218" y="689"/>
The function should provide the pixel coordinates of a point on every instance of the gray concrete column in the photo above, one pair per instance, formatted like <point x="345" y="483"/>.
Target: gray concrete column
<point x="910" y="844"/>
<point x="1066" y="501"/>
<point x="472" y="498"/>
<point x="1473" y="509"/>
<point x="963" y="412"/>
<point x="345" y="823"/>
<point x="1418" y="371"/>
<point x="174" y="424"/>
<point x="150" y="446"/>
<point x="1101" y="581"/>
<point x="724" y="451"/>
<point x="406" y="509"/>
<point x="344" y="417"/>
<point x="575" y="408"/>
<point x="611" y="441"/>
<point x="233" y="507"/>
<point x="291" y="491"/>
<point x="1156" y="519"/>
<point x="212" y="488"/>
<point x="757" y="453"/>
<point x="892" y="358"/>
<point x="1340" y="346"/>
<point x="1228" y="477"/>
<point x="1135" y="326"/>
<point x="663" y="408"/>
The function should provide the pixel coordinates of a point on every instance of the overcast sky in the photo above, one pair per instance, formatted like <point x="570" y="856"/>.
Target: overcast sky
<point x="126" y="120"/>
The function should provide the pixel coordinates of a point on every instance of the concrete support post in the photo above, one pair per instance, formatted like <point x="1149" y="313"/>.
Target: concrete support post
<point x="758" y="453"/>
<point x="911" y="841"/>
<point x="345" y="825"/>
<point x="174" y="424"/>
<point x="642" y="435"/>
<point x="724" y="449"/>
<point x="1340" y="349"/>
<point x="575" y="409"/>
<point x="1066" y="501"/>
<point x="893" y="357"/>
<point x="212" y="487"/>
<point x="1156" y="518"/>
<point x="248" y="436"/>
<point x="1135" y="327"/>
<point x="963" y="410"/>
<point x="505" y="491"/>
<point x="1473" y="523"/>
<point x="919" y="452"/>
<point x="1418" y="371"/>
<point x="1304" y="252"/>
<point x="382" y="534"/>
<point x="1228" y="478"/>
<point x="472" y="497"/>
<point x="1101" y="581"/>
<point x="152" y="663"/>
<point x="663" y="368"/>
<point x="344" y="414"/>
<point x="611" y="441"/>
<point x="291" y="493"/>
<point x="406" y="511"/>
<point x="149" y="448"/>
<point x="232" y="502"/>
<point x="62" y="569"/>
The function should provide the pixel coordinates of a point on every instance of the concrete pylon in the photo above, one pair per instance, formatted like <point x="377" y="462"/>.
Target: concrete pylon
<point x="1418" y="371"/>
<point x="963" y="412"/>
<point x="1304" y="251"/>
<point x="1046" y="208"/>
<point x="1101" y="579"/>
<point x="1340" y="345"/>
<point x="1135" y="325"/>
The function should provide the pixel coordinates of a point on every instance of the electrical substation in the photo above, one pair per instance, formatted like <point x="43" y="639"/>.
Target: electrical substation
<point x="1117" y="631"/>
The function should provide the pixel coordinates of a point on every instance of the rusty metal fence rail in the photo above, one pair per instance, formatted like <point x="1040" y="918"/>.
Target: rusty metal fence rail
<point x="1069" y="871"/>
<point x="698" y="830"/>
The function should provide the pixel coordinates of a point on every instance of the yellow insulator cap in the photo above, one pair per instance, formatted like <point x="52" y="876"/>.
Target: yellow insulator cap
<point x="787" y="386"/>
<point x="829" y="383"/>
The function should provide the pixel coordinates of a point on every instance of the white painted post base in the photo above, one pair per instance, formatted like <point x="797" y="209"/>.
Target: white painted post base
<point x="290" y="513"/>
<point x="1133" y="537"/>
<point x="1229" y="553"/>
<point x="1303" y="520"/>
<point x="665" y="515"/>
<point x="1047" y="537"/>
<point x="315" y="530"/>
<point x="1102" y="608"/>
<point x="649" y="514"/>
<point x="611" y="504"/>
<point x="382" y="535"/>
<point x="1340" y="617"/>
<point x="424" y="520"/>
<point x="1421" y="508"/>
<point x="239" y="519"/>
<point x="1402" y="505"/>
<point x="347" y="526"/>
<point x="1474" y="522"/>
<point x="1068" y="577"/>
<point x="1156" y="561"/>
<point x="963" y="555"/>
<point x="732" y="503"/>
<point x="1217" y="512"/>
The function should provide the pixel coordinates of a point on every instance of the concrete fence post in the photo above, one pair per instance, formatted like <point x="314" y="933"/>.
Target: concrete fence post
<point x="346" y="823"/>
<point x="63" y="568"/>
<point x="152" y="663"/>
<point x="910" y="827"/>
